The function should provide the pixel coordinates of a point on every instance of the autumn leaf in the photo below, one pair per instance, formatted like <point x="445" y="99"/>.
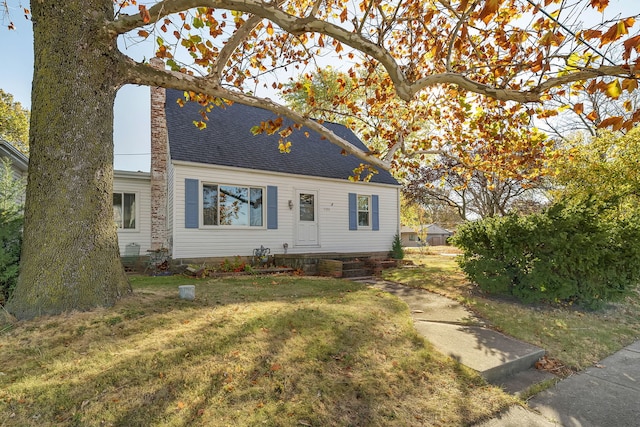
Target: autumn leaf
<point x="578" y="108"/>
<point x="143" y="34"/>
<point x="629" y="85"/>
<point x="270" y="29"/>
<point x="614" y="89"/>
<point x="489" y="10"/>
<point x="614" y="122"/>
<point x="463" y="5"/>
<point x="601" y="5"/>
<point x="631" y="44"/>
<point x="343" y="15"/>
<point x="616" y="31"/>
<point x="593" y="116"/>
<point x="144" y="13"/>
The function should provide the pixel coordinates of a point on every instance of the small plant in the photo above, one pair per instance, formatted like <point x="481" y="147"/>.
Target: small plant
<point x="397" y="251"/>
<point x="235" y="266"/>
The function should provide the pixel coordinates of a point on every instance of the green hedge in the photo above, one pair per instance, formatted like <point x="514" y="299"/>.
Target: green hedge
<point x="567" y="254"/>
<point x="10" y="242"/>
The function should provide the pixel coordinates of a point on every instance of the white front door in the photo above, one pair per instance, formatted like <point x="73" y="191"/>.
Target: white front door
<point x="307" y="218"/>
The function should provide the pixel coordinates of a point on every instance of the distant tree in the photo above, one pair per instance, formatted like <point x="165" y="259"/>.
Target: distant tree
<point x="492" y="173"/>
<point x="14" y="122"/>
<point x="604" y="169"/>
<point x="413" y="214"/>
<point x="580" y="112"/>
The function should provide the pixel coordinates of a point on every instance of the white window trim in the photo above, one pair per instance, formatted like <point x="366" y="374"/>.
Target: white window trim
<point x="232" y="227"/>
<point x="370" y="198"/>
<point x="136" y="229"/>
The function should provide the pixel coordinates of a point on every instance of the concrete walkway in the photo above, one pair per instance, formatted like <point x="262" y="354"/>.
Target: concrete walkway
<point x="607" y="394"/>
<point x="458" y="333"/>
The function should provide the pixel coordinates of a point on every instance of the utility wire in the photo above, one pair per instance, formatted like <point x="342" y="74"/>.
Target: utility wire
<point x="567" y="29"/>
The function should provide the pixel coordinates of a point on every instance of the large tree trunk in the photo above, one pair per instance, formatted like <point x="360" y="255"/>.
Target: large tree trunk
<point x="70" y="258"/>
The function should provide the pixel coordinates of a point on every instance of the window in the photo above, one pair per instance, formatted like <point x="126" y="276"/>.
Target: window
<point x="124" y="210"/>
<point x="232" y="205"/>
<point x="307" y="207"/>
<point x="363" y="211"/>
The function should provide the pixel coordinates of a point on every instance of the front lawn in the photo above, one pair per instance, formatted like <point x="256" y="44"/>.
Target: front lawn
<point x="273" y="351"/>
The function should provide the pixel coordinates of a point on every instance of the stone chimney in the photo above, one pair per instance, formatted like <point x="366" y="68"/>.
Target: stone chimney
<point x="159" y="159"/>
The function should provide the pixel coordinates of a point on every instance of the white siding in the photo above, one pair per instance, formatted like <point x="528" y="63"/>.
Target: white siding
<point x="141" y="186"/>
<point x="332" y="207"/>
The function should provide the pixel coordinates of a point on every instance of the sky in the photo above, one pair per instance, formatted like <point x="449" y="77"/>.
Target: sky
<point x="131" y="111"/>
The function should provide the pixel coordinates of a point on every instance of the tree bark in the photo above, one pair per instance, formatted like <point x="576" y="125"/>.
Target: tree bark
<point x="70" y="258"/>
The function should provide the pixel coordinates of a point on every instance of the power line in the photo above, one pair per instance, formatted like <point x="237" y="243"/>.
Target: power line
<point x="568" y="30"/>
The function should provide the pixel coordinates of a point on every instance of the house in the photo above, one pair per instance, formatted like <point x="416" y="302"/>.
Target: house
<point x="223" y="191"/>
<point x="19" y="161"/>
<point x="415" y="236"/>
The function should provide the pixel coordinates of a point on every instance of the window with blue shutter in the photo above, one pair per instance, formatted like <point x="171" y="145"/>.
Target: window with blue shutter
<point x="272" y="207"/>
<point x="364" y="212"/>
<point x="191" y="190"/>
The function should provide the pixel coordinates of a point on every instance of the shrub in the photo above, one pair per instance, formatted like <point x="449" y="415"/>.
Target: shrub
<point x="567" y="254"/>
<point x="10" y="243"/>
<point x="397" y="251"/>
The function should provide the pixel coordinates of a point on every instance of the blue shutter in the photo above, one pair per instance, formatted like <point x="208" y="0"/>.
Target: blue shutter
<point x="375" y="213"/>
<point x="353" y="211"/>
<point x="272" y="207"/>
<point x="191" y="190"/>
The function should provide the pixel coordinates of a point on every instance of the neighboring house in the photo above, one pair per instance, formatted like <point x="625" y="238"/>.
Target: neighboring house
<point x="223" y="191"/>
<point x="18" y="160"/>
<point x="414" y="236"/>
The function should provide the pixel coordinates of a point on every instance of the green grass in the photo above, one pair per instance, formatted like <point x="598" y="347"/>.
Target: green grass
<point x="274" y="351"/>
<point x="576" y="337"/>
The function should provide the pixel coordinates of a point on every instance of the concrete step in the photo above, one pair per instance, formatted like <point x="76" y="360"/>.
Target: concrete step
<point x="494" y="355"/>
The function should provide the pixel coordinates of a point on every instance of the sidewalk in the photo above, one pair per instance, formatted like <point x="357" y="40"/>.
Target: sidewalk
<point x="607" y="394"/>
<point x="601" y="396"/>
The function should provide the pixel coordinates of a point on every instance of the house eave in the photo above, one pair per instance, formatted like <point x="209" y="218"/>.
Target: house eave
<point x="19" y="159"/>
<point x="132" y="175"/>
<point x="274" y="173"/>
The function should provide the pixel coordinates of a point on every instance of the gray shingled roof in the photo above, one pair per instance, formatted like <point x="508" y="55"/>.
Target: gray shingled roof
<point x="227" y="140"/>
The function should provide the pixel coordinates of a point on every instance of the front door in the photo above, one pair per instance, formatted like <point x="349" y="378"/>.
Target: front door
<point x="307" y="218"/>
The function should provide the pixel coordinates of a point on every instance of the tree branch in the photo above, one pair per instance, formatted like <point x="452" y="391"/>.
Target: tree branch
<point x="404" y="88"/>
